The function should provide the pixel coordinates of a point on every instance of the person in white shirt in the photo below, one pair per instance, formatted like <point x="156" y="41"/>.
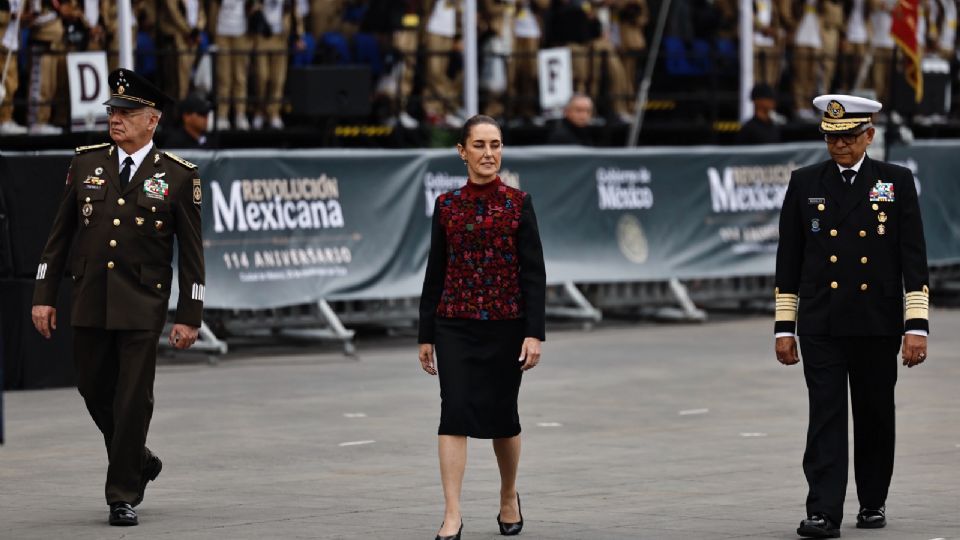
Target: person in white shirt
<point x="272" y="57"/>
<point x="9" y="45"/>
<point x="229" y="25"/>
<point x="881" y="43"/>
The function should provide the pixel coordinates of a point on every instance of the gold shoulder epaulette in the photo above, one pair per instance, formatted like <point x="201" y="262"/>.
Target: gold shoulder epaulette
<point x="82" y="149"/>
<point x="180" y="160"/>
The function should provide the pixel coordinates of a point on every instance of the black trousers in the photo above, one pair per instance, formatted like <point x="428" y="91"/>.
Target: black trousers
<point x="115" y="372"/>
<point x="870" y="364"/>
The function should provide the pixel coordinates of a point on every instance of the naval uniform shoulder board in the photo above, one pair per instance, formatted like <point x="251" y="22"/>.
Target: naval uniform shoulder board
<point x="180" y="160"/>
<point x="84" y="149"/>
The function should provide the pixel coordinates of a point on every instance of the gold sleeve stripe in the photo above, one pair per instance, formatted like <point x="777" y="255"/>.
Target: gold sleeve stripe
<point x="786" y="309"/>
<point x="917" y="304"/>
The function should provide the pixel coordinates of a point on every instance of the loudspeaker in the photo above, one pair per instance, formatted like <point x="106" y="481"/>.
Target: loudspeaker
<point x="331" y="91"/>
<point x="29" y="360"/>
<point x="32" y="188"/>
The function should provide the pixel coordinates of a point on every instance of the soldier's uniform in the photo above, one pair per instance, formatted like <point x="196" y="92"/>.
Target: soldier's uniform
<point x="179" y="23"/>
<point x="846" y="255"/>
<point x="271" y="57"/>
<point x="116" y="243"/>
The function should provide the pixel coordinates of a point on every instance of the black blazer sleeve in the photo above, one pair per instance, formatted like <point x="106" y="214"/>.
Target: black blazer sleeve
<point x="433" y="279"/>
<point x="789" y="259"/>
<point x="913" y="257"/>
<point x="533" y="275"/>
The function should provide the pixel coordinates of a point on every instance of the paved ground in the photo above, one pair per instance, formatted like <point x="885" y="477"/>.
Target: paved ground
<point x="650" y="432"/>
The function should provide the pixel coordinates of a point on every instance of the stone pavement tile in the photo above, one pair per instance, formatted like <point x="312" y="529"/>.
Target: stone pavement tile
<point x="657" y="432"/>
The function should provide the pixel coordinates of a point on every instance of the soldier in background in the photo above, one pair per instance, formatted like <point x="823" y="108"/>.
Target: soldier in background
<point x="767" y="42"/>
<point x="855" y="42"/>
<point x="882" y="44"/>
<point x="229" y="28"/>
<point x="46" y="56"/>
<point x="802" y="21"/>
<point x="523" y="84"/>
<point x="123" y="207"/>
<point x="179" y="23"/>
<point x="633" y="16"/>
<point x="271" y="59"/>
<point x="442" y="94"/>
<point x="833" y="24"/>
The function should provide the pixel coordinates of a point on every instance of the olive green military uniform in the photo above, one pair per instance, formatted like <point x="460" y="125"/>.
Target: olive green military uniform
<point x="117" y="245"/>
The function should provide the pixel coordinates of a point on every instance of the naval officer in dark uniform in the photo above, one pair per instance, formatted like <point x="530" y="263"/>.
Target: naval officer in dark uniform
<point x="852" y="258"/>
<point x="124" y="205"/>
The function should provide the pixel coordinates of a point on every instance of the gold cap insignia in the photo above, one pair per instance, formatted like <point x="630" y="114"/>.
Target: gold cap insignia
<point x="121" y="90"/>
<point x="835" y="109"/>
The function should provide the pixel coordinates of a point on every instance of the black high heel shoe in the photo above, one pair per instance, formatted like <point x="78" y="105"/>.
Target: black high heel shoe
<point x="452" y="536"/>
<point x="512" y="529"/>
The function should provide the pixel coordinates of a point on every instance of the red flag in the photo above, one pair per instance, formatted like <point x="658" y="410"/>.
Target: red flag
<point x="904" y="31"/>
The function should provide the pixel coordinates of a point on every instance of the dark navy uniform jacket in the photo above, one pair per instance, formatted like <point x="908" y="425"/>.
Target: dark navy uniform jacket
<point x="847" y="255"/>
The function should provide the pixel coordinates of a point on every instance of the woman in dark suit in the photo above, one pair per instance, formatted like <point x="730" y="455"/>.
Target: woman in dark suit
<point x="482" y="310"/>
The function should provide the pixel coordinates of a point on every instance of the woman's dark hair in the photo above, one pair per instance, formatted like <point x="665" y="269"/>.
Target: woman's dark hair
<point x="473" y="121"/>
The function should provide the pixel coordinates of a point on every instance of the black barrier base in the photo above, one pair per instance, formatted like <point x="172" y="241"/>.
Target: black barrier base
<point x="29" y="360"/>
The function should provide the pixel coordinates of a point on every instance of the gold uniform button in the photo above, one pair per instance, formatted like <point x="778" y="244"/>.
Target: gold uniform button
<point x="863" y="286"/>
<point x="159" y="285"/>
<point x="863" y="260"/>
<point x="116" y="222"/>
<point x="821" y="207"/>
<point x="113" y="243"/>
<point x="87" y="199"/>
<point x="834" y="284"/>
<point x="875" y="206"/>
<point x="863" y="233"/>
<point x="121" y="202"/>
<point x="153" y="208"/>
<point x="833" y="258"/>
<point x="833" y="232"/>
<point x="110" y="265"/>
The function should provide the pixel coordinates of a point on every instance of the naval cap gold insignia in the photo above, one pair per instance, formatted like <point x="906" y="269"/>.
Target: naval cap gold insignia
<point x="835" y="109"/>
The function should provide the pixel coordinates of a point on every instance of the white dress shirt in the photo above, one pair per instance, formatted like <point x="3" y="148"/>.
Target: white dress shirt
<point x="137" y="156"/>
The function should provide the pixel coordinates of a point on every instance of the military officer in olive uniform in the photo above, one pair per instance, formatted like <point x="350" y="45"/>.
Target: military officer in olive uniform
<point x="123" y="206"/>
<point x="851" y="245"/>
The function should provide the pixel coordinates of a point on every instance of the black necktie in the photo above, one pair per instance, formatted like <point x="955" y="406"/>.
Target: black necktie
<point x="125" y="172"/>
<point x="848" y="177"/>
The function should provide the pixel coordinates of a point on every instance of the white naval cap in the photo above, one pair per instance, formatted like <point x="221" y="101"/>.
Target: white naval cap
<point x="845" y="114"/>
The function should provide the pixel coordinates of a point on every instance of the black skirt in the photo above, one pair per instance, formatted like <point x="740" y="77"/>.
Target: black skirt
<point x="477" y="362"/>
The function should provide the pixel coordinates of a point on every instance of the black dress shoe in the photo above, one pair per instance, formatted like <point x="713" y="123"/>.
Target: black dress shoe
<point x="818" y="526"/>
<point x="452" y="536"/>
<point x="150" y="472"/>
<point x="870" y="518"/>
<point x="512" y="529"/>
<point x="122" y="515"/>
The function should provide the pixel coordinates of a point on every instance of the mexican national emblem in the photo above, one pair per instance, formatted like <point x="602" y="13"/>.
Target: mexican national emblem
<point x="632" y="241"/>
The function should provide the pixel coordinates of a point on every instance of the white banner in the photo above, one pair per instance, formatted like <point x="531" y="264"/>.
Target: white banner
<point x="555" y="68"/>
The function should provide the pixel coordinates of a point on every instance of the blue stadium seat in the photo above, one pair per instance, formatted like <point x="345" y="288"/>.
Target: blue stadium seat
<point x="368" y="52"/>
<point x="304" y="57"/>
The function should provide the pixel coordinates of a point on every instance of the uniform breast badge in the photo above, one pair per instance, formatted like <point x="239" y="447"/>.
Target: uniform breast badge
<point x="155" y="187"/>
<point x="882" y="192"/>
<point x="93" y="182"/>
<point x="139" y="220"/>
<point x="98" y="171"/>
<point x="882" y="217"/>
<point x="87" y="210"/>
<point x="814" y="225"/>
